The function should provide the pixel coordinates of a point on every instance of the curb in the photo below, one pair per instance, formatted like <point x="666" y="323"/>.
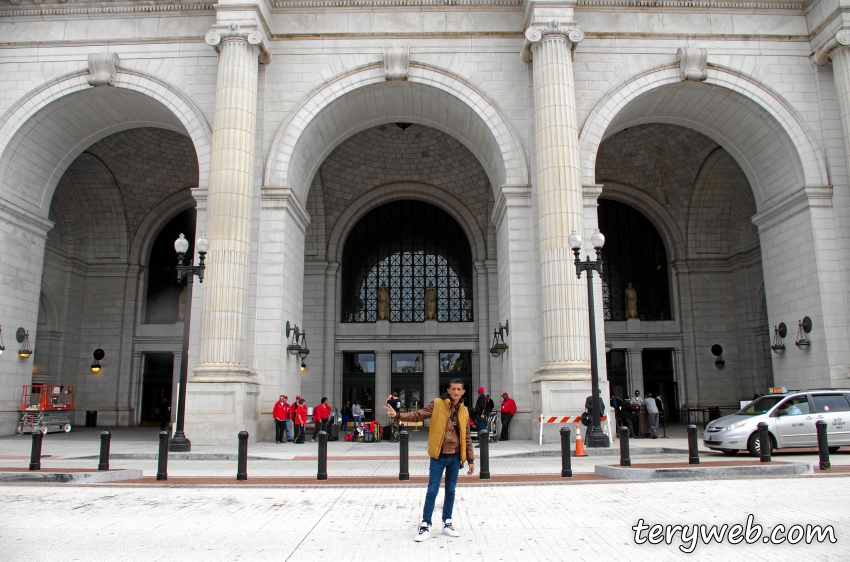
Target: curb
<point x="702" y="472"/>
<point x="81" y="477"/>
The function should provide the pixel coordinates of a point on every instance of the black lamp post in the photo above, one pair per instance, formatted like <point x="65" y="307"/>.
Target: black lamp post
<point x="179" y="443"/>
<point x="595" y="435"/>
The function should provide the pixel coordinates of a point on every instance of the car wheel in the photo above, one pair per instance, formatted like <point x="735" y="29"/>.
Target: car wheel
<point x="833" y="449"/>
<point x="754" y="447"/>
<point x="66" y="428"/>
<point x="730" y="452"/>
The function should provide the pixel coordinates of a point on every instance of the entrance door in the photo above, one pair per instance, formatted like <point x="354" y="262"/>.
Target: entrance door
<point x="407" y="379"/>
<point x="156" y="385"/>
<point x="658" y="379"/>
<point x="358" y="382"/>
<point x="457" y="365"/>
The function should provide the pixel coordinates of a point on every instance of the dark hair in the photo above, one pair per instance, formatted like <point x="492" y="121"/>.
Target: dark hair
<point x="324" y="399"/>
<point x="456" y="381"/>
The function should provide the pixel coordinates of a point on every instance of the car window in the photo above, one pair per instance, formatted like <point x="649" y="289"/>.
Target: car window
<point x="760" y="406"/>
<point x="828" y="403"/>
<point x="795" y="406"/>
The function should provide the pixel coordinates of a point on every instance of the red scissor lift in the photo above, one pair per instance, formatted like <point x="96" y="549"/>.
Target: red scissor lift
<point x="47" y="408"/>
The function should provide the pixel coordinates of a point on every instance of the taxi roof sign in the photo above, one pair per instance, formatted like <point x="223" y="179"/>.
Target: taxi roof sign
<point x="777" y="390"/>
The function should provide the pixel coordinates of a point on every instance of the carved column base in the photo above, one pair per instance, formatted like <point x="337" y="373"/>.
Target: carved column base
<point x="572" y="371"/>
<point x="219" y="407"/>
<point x="561" y="398"/>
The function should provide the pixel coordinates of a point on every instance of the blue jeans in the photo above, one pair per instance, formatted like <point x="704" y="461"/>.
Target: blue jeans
<point x="480" y="423"/>
<point x="435" y="473"/>
<point x="286" y="429"/>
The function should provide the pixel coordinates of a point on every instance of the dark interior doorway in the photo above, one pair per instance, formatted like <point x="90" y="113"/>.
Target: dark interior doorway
<point x="658" y="378"/>
<point x="156" y="385"/>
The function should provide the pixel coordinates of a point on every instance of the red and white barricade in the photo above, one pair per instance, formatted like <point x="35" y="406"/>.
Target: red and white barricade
<point x="566" y="420"/>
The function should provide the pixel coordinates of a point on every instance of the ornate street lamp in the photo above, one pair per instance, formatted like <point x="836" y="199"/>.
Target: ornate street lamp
<point x="595" y="435"/>
<point x="179" y="443"/>
<point x="499" y="345"/>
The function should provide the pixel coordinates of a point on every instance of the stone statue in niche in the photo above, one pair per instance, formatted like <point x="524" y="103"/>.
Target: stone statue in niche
<point x="181" y="305"/>
<point x="430" y="302"/>
<point x="383" y="303"/>
<point x="631" y="302"/>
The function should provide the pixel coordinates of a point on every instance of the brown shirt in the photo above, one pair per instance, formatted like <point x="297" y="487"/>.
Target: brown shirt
<point x="451" y="441"/>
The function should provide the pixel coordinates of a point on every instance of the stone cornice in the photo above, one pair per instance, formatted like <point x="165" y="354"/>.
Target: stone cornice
<point x="792" y="205"/>
<point x="518" y="196"/>
<point x="86" y="8"/>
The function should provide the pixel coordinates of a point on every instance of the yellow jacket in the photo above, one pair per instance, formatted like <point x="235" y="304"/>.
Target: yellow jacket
<point x="439" y="411"/>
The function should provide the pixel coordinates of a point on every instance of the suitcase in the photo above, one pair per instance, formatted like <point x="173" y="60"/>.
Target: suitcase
<point x="369" y="437"/>
<point x="349" y="436"/>
<point x="333" y="433"/>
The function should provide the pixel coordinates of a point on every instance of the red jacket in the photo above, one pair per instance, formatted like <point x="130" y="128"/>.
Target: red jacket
<point x="301" y="415"/>
<point x="508" y="406"/>
<point x="321" y="412"/>
<point x="280" y="411"/>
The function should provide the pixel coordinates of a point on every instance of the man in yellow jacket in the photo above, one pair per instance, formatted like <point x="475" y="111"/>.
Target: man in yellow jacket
<point x="449" y="446"/>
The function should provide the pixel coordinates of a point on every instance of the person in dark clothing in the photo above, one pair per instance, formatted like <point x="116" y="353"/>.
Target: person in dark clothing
<point x="346" y="415"/>
<point x="480" y="410"/>
<point x="628" y="416"/>
<point x="394" y="402"/>
<point x="588" y="404"/>
<point x="490" y="405"/>
<point x="164" y="414"/>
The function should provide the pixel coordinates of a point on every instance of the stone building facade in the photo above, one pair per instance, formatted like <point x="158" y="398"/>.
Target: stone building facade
<point x="717" y="131"/>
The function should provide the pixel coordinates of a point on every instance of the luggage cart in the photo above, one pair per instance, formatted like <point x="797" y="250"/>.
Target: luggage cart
<point x="46" y="408"/>
<point x="492" y="418"/>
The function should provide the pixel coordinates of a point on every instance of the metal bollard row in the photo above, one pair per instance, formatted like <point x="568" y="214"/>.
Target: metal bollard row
<point x="105" y="438"/>
<point x="242" y="456"/>
<point x="693" y="448"/>
<point x="162" y="468"/>
<point x="625" y="459"/>
<point x="823" y="445"/>
<point x="484" y="455"/>
<point x="35" y="453"/>
<point x="323" y="456"/>
<point x="566" y="460"/>
<point x="764" y="442"/>
<point x="404" y="455"/>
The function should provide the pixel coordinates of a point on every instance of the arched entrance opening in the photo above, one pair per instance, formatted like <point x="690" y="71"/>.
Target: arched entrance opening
<point x="99" y="171"/>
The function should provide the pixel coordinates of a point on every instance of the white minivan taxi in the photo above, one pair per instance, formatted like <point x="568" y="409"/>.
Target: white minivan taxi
<point x="790" y="417"/>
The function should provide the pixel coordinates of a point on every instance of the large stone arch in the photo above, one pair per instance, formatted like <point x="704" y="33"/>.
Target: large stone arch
<point x="398" y="191"/>
<point x="44" y="132"/>
<point x="363" y="98"/>
<point x="761" y="131"/>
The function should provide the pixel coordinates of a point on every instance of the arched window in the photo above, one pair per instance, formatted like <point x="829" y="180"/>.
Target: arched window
<point x="633" y="253"/>
<point x="407" y="246"/>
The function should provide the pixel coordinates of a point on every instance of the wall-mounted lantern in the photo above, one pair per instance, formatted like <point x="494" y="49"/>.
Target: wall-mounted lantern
<point x="717" y="351"/>
<point x="23" y="338"/>
<point x="804" y="327"/>
<point x="298" y="345"/>
<point x="779" y="332"/>
<point x="98" y="355"/>
<point x="499" y="345"/>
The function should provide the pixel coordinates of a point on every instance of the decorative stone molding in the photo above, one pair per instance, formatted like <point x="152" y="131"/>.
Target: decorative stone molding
<point x="102" y="69"/>
<point x="841" y="39"/>
<point x="536" y="33"/>
<point x="396" y="63"/>
<point x="692" y="62"/>
<point x="254" y="37"/>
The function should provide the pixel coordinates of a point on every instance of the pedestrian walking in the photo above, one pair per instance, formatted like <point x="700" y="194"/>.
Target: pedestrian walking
<point x="321" y="415"/>
<point x="508" y="409"/>
<point x="652" y="415"/>
<point x="481" y="410"/>
<point x="346" y="415"/>
<point x="449" y="446"/>
<point x="300" y="421"/>
<point x="280" y="413"/>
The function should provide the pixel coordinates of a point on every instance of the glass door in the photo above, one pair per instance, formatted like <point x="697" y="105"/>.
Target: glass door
<point x="358" y="382"/>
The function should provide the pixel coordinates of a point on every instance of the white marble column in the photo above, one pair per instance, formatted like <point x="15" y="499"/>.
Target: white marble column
<point x="566" y="353"/>
<point x="228" y="222"/>
<point x="223" y="398"/>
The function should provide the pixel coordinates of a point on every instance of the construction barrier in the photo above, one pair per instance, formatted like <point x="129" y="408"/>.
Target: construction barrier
<point x="563" y="420"/>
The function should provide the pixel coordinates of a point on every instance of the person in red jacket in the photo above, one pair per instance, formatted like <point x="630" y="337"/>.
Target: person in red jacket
<point x="300" y="421"/>
<point x="321" y="415"/>
<point x="280" y="413"/>
<point x="508" y="410"/>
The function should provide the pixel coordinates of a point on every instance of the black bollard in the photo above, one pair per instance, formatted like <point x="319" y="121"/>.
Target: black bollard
<point x="242" y="457"/>
<point x="403" y="455"/>
<point x="162" y="469"/>
<point x="323" y="456"/>
<point x="764" y="442"/>
<point x="566" y="460"/>
<point x="693" y="448"/>
<point x="823" y="445"/>
<point x="625" y="459"/>
<point x="105" y="437"/>
<point x="35" y="456"/>
<point x="484" y="455"/>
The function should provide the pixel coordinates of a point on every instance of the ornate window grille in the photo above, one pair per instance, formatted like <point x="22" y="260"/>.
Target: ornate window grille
<point x="407" y="245"/>
<point x="633" y="253"/>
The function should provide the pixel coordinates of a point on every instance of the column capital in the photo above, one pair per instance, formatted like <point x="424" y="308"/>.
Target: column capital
<point x="221" y="33"/>
<point x="824" y="53"/>
<point x="536" y="32"/>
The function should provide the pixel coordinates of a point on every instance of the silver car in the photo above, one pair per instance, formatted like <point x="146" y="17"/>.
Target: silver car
<point x="790" y="418"/>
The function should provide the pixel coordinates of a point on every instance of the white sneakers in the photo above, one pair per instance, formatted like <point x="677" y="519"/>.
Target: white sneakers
<point x="425" y="531"/>
<point x="449" y="530"/>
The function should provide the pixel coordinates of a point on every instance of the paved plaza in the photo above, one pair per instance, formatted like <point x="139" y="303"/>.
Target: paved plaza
<point x="560" y="520"/>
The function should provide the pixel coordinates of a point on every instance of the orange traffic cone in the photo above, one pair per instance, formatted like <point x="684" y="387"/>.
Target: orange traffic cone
<point x="579" y="445"/>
